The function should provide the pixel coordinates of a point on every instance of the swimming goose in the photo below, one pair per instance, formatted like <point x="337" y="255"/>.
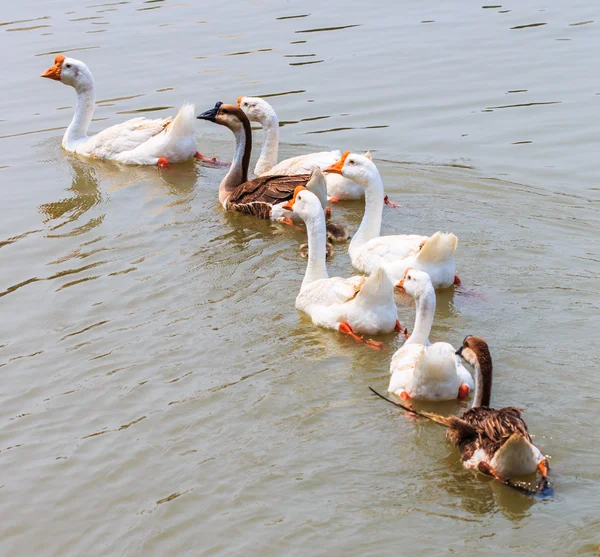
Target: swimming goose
<point x="265" y="196"/>
<point x="368" y="250"/>
<point x="357" y="305"/>
<point x="421" y="370"/>
<point x="495" y="442"/>
<point x="259" y="110"/>
<point x="136" y="141"/>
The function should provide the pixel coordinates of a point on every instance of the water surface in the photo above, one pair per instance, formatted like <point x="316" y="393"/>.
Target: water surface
<point x="160" y="393"/>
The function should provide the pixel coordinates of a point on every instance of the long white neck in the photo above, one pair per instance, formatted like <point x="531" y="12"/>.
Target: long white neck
<point x="424" y="319"/>
<point x="270" y="148"/>
<point x="84" y="110"/>
<point x="238" y="171"/>
<point x="370" y="227"/>
<point x="317" y="237"/>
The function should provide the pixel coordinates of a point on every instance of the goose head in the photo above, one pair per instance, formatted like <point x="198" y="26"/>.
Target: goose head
<point x="416" y="283"/>
<point x="359" y="168"/>
<point x="69" y="71"/>
<point x="474" y="350"/>
<point x="228" y="115"/>
<point x="255" y="108"/>
<point x="305" y="204"/>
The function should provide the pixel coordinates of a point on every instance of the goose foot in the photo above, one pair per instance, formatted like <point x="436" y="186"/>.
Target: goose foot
<point x="333" y="200"/>
<point x="463" y="392"/>
<point x="328" y="213"/>
<point x="486" y="469"/>
<point x="399" y="329"/>
<point x="404" y="395"/>
<point x="387" y="201"/>
<point x="347" y="330"/>
<point x="290" y="222"/>
<point x="457" y="281"/>
<point x="163" y="163"/>
<point x="212" y="161"/>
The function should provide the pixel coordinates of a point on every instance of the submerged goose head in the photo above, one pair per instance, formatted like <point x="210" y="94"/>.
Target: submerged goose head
<point x="70" y="72"/>
<point x="255" y="108"/>
<point x="416" y="283"/>
<point x="359" y="168"/>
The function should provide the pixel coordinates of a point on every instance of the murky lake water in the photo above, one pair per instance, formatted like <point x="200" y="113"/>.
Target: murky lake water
<point x="161" y="395"/>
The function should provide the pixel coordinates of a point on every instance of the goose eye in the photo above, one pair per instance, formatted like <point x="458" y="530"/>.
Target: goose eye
<point x="68" y="65"/>
<point x="351" y="161"/>
<point x="245" y="103"/>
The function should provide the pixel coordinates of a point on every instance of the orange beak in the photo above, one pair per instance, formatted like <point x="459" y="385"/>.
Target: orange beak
<point x="289" y="206"/>
<point x="53" y="72"/>
<point x="400" y="285"/>
<point x="239" y="101"/>
<point x="336" y="168"/>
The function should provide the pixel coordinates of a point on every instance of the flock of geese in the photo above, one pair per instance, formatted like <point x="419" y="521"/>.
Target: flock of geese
<point x="494" y="441"/>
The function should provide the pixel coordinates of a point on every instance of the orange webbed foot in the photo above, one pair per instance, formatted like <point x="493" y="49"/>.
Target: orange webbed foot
<point x="457" y="281"/>
<point x="333" y="200"/>
<point x="347" y="330"/>
<point x="402" y="330"/>
<point x="463" y="392"/>
<point x="163" y="163"/>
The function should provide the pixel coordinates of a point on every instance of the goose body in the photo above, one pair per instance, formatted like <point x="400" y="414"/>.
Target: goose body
<point x="493" y="441"/>
<point x="363" y="305"/>
<point x="136" y="141"/>
<point x="369" y="250"/>
<point x="421" y="370"/>
<point x="264" y="196"/>
<point x="259" y="110"/>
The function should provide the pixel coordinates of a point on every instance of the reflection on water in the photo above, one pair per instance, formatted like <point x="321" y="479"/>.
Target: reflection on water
<point x="84" y="194"/>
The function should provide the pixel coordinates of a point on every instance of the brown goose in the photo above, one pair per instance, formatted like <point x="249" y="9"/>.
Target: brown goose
<point x="262" y="197"/>
<point x="493" y="441"/>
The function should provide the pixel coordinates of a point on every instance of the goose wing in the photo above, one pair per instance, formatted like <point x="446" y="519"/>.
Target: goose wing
<point x="125" y="137"/>
<point x="258" y="196"/>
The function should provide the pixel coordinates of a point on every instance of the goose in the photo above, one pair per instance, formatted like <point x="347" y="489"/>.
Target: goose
<point x="259" y="110"/>
<point x="420" y="370"/>
<point x="369" y="250"/>
<point x="494" y="441"/>
<point x="353" y="306"/>
<point x="136" y="141"/>
<point x="265" y="196"/>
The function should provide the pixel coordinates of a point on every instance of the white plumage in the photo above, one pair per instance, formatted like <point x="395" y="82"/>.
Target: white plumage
<point x="136" y="141"/>
<point x="259" y="110"/>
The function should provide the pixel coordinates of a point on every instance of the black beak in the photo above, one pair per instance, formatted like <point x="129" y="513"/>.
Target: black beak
<point x="210" y="115"/>
<point x="459" y="351"/>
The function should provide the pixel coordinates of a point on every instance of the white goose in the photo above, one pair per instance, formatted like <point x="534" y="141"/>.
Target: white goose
<point x="421" y="370"/>
<point x="368" y="250"/>
<point x="355" y="305"/>
<point x="136" y="141"/>
<point x="259" y="110"/>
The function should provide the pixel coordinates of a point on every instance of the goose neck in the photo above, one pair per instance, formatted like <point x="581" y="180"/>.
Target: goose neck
<point x="84" y="111"/>
<point x="483" y="382"/>
<point x="425" y="303"/>
<point x="270" y="148"/>
<point x="316" y="268"/>
<point x="370" y="226"/>
<point x="238" y="171"/>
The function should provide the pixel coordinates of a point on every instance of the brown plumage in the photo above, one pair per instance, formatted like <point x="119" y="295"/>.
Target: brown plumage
<point x="336" y="232"/>
<point x="236" y="193"/>
<point x="329" y="250"/>
<point x="257" y="196"/>
<point x="481" y="432"/>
